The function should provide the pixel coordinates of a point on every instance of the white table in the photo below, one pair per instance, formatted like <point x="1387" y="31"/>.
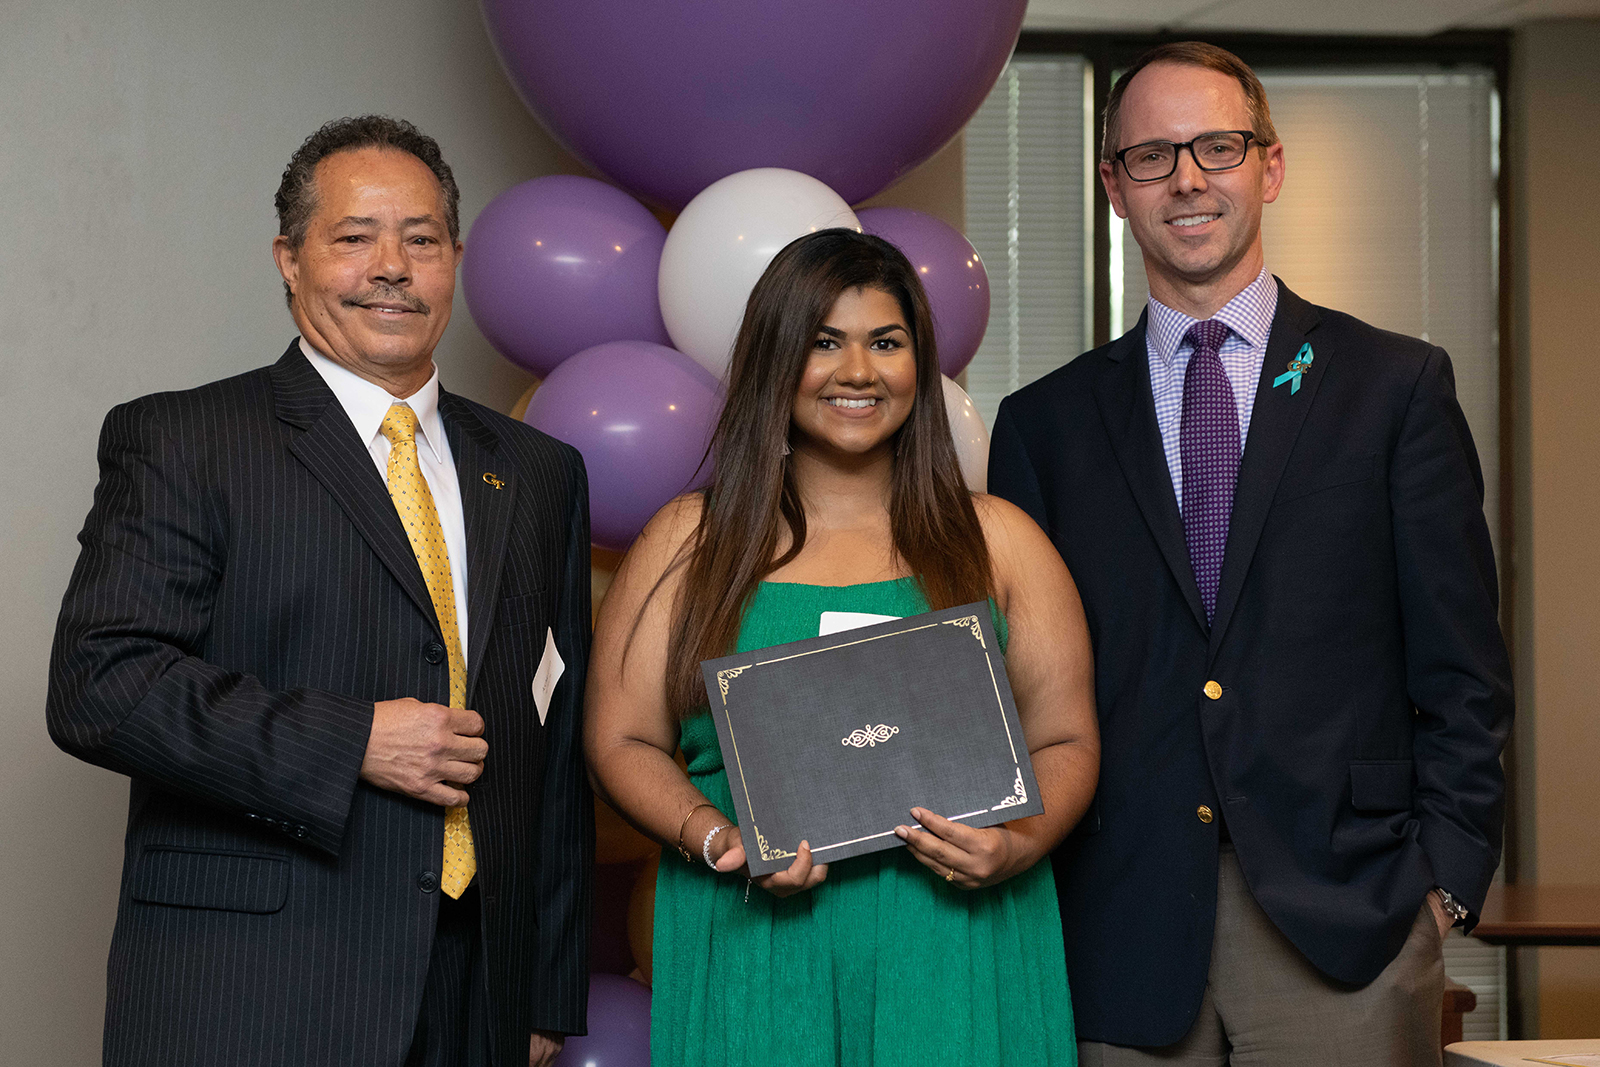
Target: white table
<point x="1515" y="1053"/>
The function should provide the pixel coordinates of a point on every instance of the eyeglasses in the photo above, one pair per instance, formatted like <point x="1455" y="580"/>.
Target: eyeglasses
<point x="1155" y="160"/>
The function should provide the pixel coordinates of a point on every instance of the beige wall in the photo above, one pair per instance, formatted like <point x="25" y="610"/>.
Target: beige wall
<point x="1556" y="154"/>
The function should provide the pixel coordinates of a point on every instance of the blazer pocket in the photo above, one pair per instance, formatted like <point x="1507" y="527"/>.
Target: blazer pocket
<point x="519" y="610"/>
<point x="1346" y="470"/>
<point x="1380" y="785"/>
<point x="254" y="882"/>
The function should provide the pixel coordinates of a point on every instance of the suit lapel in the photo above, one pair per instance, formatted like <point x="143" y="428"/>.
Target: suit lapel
<point x="1275" y="423"/>
<point x="330" y="450"/>
<point x="1122" y="390"/>
<point x="487" y="508"/>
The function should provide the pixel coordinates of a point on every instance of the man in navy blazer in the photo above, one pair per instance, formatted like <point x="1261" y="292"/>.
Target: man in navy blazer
<point x="250" y="636"/>
<point x="1274" y="514"/>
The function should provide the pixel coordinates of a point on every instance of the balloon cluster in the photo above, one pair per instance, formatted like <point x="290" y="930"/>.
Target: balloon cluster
<point x="711" y="109"/>
<point x="758" y="124"/>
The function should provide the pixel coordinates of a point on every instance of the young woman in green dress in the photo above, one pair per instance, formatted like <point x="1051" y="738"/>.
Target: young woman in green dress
<point x="837" y="488"/>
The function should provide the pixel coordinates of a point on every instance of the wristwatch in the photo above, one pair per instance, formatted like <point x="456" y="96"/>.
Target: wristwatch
<point x="1452" y="907"/>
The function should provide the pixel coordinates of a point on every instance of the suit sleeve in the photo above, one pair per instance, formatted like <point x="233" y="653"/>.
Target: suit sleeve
<point x="127" y="689"/>
<point x="1011" y="473"/>
<point x="1457" y="670"/>
<point x="565" y="844"/>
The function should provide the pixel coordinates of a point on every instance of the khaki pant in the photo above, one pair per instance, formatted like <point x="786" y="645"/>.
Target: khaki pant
<point x="1266" y="1006"/>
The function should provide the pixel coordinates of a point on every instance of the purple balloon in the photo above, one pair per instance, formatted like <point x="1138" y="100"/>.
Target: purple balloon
<point x="619" y="1026"/>
<point x="560" y="264"/>
<point x="641" y="414"/>
<point x="951" y="272"/>
<point x="667" y="98"/>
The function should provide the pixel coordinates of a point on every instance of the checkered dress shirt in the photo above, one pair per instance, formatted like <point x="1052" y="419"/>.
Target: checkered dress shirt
<point x="1249" y="316"/>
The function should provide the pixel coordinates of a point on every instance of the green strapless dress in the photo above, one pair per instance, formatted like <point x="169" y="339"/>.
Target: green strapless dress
<point x="883" y="963"/>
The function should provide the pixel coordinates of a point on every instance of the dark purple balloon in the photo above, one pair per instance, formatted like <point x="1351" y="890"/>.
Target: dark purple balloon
<point x="951" y="272"/>
<point x="619" y="1026"/>
<point x="560" y="264"/>
<point x="665" y="98"/>
<point x="641" y="414"/>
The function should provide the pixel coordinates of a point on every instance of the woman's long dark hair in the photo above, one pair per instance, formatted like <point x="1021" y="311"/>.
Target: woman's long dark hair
<point x="931" y="518"/>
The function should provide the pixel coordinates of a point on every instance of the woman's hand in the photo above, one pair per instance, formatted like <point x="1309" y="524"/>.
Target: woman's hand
<point x="964" y="856"/>
<point x="801" y="875"/>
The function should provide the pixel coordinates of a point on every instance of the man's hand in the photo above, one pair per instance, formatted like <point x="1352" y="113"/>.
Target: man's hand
<point x="425" y="751"/>
<point x="1440" y="916"/>
<point x="543" y="1047"/>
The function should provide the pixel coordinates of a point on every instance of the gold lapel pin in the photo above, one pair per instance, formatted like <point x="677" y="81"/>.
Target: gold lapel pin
<point x="489" y="476"/>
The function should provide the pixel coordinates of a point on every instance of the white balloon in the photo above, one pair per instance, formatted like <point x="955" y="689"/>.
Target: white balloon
<point x="971" y="436"/>
<point x="720" y="244"/>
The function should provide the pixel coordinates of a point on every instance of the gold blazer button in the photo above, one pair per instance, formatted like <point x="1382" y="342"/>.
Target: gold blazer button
<point x="1204" y="812"/>
<point x="1213" y="690"/>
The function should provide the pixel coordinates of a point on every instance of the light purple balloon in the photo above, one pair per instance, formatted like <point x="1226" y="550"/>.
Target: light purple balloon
<point x="560" y="264"/>
<point x="666" y="98"/>
<point x="619" y="1026"/>
<point x="951" y="272"/>
<point x="641" y="414"/>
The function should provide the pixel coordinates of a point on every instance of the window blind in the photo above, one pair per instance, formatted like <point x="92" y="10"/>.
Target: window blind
<point x="1026" y="167"/>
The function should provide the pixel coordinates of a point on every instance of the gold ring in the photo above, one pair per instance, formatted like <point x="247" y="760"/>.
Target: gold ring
<point x="951" y="876"/>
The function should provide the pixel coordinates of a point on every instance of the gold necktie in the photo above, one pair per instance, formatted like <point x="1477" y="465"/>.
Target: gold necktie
<point x="414" y="502"/>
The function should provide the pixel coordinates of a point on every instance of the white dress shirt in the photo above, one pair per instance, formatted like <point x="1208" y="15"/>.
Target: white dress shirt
<point x="366" y="404"/>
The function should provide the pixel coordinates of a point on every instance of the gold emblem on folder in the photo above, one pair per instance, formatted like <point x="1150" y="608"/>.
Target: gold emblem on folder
<point x="871" y="736"/>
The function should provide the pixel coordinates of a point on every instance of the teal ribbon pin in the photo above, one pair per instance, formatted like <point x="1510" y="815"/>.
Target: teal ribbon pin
<point x="1301" y="364"/>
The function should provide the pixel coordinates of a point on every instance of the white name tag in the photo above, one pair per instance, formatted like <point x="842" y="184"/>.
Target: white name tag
<point x="548" y="674"/>
<point x="837" y="621"/>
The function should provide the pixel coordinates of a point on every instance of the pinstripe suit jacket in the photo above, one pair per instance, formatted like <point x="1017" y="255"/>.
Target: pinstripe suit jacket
<point x="245" y="593"/>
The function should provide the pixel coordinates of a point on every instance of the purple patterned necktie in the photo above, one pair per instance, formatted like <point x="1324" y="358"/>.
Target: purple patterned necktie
<point x="1208" y="442"/>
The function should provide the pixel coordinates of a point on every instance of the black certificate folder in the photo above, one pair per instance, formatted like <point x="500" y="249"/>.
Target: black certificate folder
<point x="833" y="739"/>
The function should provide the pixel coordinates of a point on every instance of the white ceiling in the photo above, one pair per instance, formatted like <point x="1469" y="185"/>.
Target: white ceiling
<point x="1299" y="16"/>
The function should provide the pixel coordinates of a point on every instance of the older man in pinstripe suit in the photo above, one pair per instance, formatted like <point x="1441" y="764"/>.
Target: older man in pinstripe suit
<point x="332" y="621"/>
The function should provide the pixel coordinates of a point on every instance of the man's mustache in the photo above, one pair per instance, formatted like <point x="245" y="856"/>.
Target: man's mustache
<point x="387" y="294"/>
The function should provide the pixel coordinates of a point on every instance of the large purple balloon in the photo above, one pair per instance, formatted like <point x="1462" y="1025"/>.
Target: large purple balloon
<point x="665" y="98"/>
<point x="951" y="272"/>
<point x="619" y="1026"/>
<point x="641" y="414"/>
<point x="560" y="264"/>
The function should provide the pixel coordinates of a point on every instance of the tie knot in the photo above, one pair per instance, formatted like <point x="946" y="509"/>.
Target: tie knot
<point x="1207" y="336"/>
<point x="400" y="424"/>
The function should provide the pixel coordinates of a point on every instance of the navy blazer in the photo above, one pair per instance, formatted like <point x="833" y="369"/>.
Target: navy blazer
<point x="244" y="594"/>
<point x="1365" y="690"/>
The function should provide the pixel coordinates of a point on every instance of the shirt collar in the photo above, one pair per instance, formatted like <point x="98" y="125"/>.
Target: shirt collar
<point x="1249" y="314"/>
<point x="367" y="402"/>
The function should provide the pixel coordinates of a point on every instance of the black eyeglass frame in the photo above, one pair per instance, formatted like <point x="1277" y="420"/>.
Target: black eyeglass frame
<point x="1177" y="150"/>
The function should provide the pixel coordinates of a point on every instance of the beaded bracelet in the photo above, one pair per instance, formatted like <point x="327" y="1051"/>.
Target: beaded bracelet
<point x="685" y="825"/>
<point x="705" y="846"/>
